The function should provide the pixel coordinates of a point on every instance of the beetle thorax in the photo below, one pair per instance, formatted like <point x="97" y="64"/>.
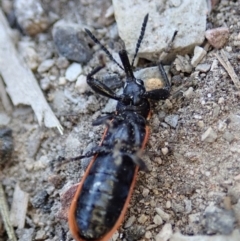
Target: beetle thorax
<point x="135" y="90"/>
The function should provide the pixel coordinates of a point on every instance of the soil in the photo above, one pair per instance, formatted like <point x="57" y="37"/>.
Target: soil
<point x="187" y="174"/>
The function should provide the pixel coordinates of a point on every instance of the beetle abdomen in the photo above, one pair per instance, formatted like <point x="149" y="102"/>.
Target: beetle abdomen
<point x="104" y="194"/>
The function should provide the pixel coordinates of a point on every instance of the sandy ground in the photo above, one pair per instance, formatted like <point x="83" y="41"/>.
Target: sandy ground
<point x="186" y="176"/>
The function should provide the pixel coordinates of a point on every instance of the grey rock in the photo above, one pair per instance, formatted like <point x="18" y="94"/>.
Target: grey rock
<point x="70" y="42"/>
<point x="164" y="19"/>
<point x="218" y="220"/>
<point x="172" y="120"/>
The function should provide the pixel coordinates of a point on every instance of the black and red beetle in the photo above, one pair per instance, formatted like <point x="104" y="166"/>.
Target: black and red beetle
<point x="103" y="195"/>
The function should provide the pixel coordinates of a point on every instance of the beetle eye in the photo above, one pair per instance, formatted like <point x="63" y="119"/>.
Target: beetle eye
<point x="139" y="81"/>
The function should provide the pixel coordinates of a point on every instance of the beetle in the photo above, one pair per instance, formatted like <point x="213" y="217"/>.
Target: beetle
<point x="102" y="197"/>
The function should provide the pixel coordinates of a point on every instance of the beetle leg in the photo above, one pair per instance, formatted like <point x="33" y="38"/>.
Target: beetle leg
<point x="137" y="160"/>
<point x="160" y="94"/>
<point x="94" y="151"/>
<point x="102" y="119"/>
<point x="102" y="89"/>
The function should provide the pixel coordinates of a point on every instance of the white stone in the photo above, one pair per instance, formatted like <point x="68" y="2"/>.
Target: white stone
<point x="45" y="65"/>
<point x="165" y="234"/>
<point x="164" y="151"/>
<point x="165" y="216"/>
<point x="73" y="71"/>
<point x="157" y="220"/>
<point x="81" y="84"/>
<point x="188" y="93"/>
<point x="188" y="17"/>
<point x="199" y="54"/>
<point x="62" y="80"/>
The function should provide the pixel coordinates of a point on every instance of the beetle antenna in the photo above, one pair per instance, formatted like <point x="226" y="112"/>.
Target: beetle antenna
<point x="102" y="47"/>
<point x="140" y="37"/>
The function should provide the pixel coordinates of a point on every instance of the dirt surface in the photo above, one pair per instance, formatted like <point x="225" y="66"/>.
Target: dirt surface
<point x="187" y="174"/>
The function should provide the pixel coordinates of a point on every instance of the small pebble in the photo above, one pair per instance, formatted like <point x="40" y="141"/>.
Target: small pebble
<point x="110" y="12"/>
<point x="62" y="80"/>
<point x="148" y="235"/>
<point x="203" y="67"/>
<point x="217" y="37"/>
<point x="62" y="62"/>
<point x="200" y="124"/>
<point x="158" y="160"/>
<point x="142" y="219"/>
<point x="194" y="218"/>
<point x="188" y="93"/>
<point x="199" y="54"/>
<point x="45" y="65"/>
<point x="165" y="216"/>
<point x="188" y="205"/>
<point x="73" y="71"/>
<point x="222" y="125"/>
<point x="130" y="222"/>
<point x="209" y="135"/>
<point x="168" y="104"/>
<point x="145" y="192"/>
<point x="41" y="235"/>
<point x="182" y="64"/>
<point x="172" y="120"/>
<point x="168" y="204"/>
<point x="157" y="220"/>
<point x="221" y="100"/>
<point x="45" y="83"/>
<point x="81" y="84"/>
<point x="164" y="151"/>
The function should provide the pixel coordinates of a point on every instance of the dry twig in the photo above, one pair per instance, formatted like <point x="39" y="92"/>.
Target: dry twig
<point x="223" y="59"/>
<point x="5" y="215"/>
<point x="21" y="83"/>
